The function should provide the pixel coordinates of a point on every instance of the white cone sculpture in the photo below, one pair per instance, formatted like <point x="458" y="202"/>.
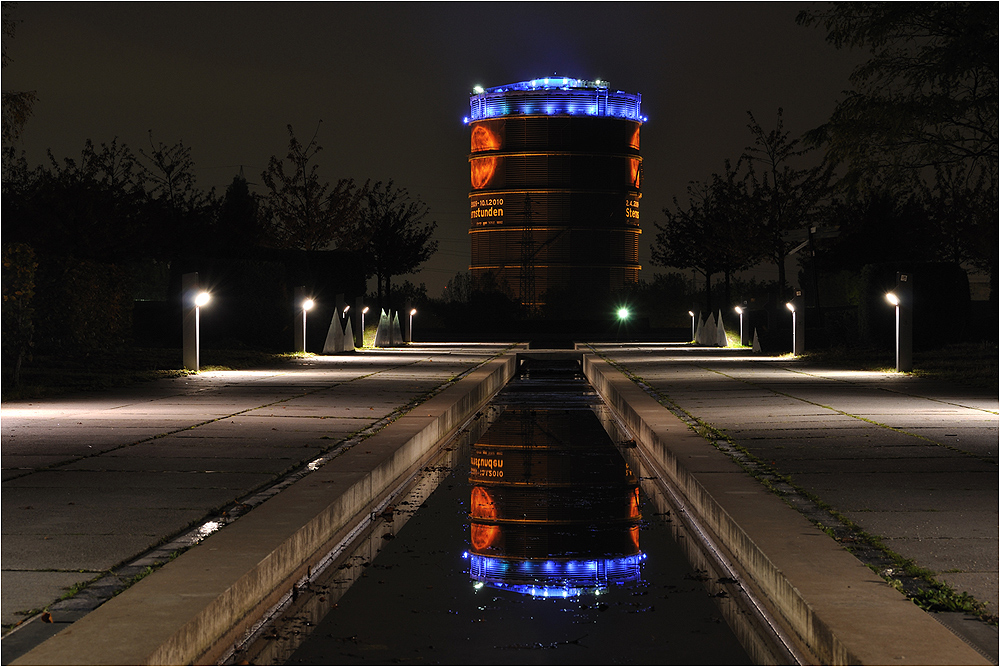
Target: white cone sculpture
<point x="720" y="333"/>
<point x="383" y="335"/>
<point x="334" y="336"/>
<point x="349" y="337"/>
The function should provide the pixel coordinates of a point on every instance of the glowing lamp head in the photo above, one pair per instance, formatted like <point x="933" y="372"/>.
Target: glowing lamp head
<point x="892" y="298"/>
<point x="202" y="299"/>
<point x="790" y="306"/>
<point x="413" y="312"/>
<point x="691" y="313"/>
<point x="623" y="313"/>
<point x="364" y="311"/>
<point x="346" y="308"/>
<point x="739" y="310"/>
<point x="308" y="304"/>
<point x="478" y="90"/>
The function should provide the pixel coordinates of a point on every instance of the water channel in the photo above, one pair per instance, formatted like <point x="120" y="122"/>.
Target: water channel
<point x="530" y="540"/>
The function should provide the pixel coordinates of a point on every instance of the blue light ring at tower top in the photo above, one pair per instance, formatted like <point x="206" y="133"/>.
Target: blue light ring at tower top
<point x="550" y="96"/>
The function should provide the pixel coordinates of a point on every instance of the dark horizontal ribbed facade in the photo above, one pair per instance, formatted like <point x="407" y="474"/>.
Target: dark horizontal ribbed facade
<point x="555" y="175"/>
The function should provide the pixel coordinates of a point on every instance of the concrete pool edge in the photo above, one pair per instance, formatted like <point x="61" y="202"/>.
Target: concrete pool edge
<point x="836" y="609"/>
<point x="191" y="609"/>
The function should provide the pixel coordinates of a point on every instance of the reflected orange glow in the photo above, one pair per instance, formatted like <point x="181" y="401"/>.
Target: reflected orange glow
<point x="634" y="141"/>
<point x="634" y="513"/>
<point x="483" y="536"/>
<point x="483" y="507"/>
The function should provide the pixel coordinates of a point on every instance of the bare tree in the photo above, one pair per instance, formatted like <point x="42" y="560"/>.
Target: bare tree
<point x="303" y="212"/>
<point x="398" y="234"/>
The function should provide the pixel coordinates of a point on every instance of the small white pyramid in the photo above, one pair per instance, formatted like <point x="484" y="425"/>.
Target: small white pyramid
<point x="383" y="335"/>
<point x="708" y="331"/>
<point x="349" y="337"/>
<point x="720" y="333"/>
<point x="334" y="336"/>
<point x="756" y="341"/>
<point x="697" y="331"/>
<point x="397" y="335"/>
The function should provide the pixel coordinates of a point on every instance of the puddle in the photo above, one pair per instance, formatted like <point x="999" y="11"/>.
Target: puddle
<point x="531" y="543"/>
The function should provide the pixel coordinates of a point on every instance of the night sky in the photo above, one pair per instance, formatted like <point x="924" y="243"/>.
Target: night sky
<point x="391" y="83"/>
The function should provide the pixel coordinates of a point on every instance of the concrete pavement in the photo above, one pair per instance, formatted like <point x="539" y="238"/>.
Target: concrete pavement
<point x="911" y="461"/>
<point x="99" y="486"/>
<point x="129" y="477"/>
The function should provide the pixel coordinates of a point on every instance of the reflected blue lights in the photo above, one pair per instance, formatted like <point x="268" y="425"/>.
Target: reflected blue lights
<point x="553" y="578"/>
<point x="553" y="96"/>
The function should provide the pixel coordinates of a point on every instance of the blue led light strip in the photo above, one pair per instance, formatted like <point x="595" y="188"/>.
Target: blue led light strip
<point x="555" y="96"/>
<point x="554" y="578"/>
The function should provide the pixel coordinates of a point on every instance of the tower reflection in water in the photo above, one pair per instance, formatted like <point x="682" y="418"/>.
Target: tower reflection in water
<point x="554" y="508"/>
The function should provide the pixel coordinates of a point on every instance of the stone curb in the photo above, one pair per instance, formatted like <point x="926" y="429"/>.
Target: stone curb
<point x="837" y="609"/>
<point x="195" y="607"/>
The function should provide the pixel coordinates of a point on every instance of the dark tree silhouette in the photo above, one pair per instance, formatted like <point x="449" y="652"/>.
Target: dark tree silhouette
<point x="301" y="211"/>
<point x="17" y="106"/>
<point x="238" y="223"/>
<point x="684" y="238"/>
<point x="715" y="233"/>
<point x="926" y="96"/>
<point x="398" y="235"/>
<point x="91" y="207"/>
<point x="785" y="197"/>
<point x="923" y="113"/>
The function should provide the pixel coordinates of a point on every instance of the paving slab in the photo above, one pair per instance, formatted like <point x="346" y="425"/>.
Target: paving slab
<point x="23" y="589"/>
<point x="95" y="479"/>
<point x="901" y="456"/>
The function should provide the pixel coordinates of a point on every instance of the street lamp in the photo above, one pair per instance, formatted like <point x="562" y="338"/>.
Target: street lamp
<point x="691" y="313"/>
<point x="623" y="314"/>
<point x="798" y="308"/>
<point x="305" y="304"/>
<point x="795" y="328"/>
<point x="409" y="331"/>
<point x="194" y="298"/>
<point x="740" y="311"/>
<point x="902" y="299"/>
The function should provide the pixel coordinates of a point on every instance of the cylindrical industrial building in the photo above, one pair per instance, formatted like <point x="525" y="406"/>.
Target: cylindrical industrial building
<point x="555" y="186"/>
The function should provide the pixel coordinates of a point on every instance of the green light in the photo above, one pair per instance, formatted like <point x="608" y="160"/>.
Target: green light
<point x="623" y="313"/>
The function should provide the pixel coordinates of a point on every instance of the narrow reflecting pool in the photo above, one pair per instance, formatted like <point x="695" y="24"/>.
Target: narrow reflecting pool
<point x="537" y="547"/>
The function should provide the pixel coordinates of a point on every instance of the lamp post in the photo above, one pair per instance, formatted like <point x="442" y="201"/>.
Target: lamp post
<point x="364" y="311"/>
<point x="358" y="317"/>
<point x="409" y="329"/>
<point x="797" y="306"/>
<point x="740" y="311"/>
<point x="193" y="299"/>
<point x="691" y="313"/>
<point x="305" y="304"/>
<point x="902" y="299"/>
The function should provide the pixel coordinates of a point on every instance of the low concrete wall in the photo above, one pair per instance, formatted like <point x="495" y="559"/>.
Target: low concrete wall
<point x="838" y="610"/>
<point x="194" y="608"/>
